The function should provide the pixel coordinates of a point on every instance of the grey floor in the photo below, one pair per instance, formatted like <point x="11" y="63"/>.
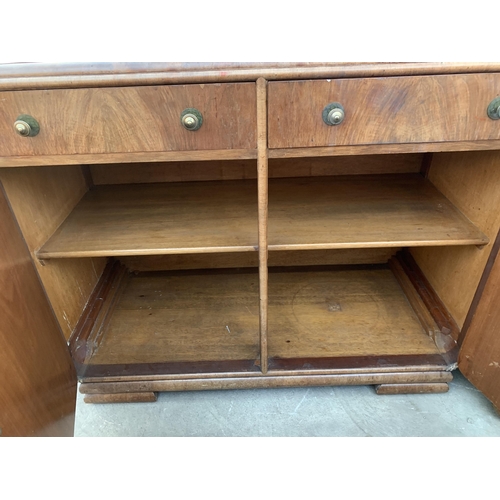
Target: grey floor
<point x="318" y="411"/>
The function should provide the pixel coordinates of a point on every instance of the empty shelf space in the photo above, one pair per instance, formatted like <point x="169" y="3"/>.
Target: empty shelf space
<point x="178" y="321"/>
<point x="364" y="211"/>
<point x="344" y="312"/>
<point x="156" y="219"/>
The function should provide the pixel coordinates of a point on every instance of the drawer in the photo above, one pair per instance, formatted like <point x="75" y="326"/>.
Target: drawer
<point x="415" y="109"/>
<point x="129" y="119"/>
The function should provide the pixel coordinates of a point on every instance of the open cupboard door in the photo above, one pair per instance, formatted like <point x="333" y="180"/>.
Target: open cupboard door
<point x="479" y="358"/>
<point x="37" y="377"/>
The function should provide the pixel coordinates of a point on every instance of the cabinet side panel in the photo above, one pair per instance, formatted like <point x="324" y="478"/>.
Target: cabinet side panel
<point x="41" y="198"/>
<point x="37" y="378"/>
<point x="471" y="181"/>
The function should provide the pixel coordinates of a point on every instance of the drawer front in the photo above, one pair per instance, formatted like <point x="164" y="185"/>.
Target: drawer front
<point x="129" y="119"/>
<point x="383" y="110"/>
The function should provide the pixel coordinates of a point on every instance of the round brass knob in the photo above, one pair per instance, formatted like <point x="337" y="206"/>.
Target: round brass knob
<point x="494" y="109"/>
<point x="191" y="119"/>
<point x="333" y="114"/>
<point x="26" y="126"/>
<point x="22" y="128"/>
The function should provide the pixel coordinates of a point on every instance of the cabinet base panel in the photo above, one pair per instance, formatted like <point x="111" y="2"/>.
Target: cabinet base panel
<point x="120" y="389"/>
<point x="436" y="387"/>
<point x="124" y="397"/>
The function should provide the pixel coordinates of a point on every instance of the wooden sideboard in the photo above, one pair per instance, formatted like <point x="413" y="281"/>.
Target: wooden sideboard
<point x="221" y="226"/>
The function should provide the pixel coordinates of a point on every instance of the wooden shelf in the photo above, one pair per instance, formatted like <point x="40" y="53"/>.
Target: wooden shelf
<point x="158" y="219"/>
<point x="192" y="322"/>
<point x="181" y="321"/>
<point x="364" y="211"/>
<point x="307" y="213"/>
<point x="345" y="312"/>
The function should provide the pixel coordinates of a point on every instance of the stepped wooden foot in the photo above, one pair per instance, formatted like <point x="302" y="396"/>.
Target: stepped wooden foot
<point x="125" y="397"/>
<point x="411" y="388"/>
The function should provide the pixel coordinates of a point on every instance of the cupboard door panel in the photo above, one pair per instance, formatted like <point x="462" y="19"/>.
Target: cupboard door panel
<point x="396" y="110"/>
<point x="479" y="358"/>
<point x="37" y="377"/>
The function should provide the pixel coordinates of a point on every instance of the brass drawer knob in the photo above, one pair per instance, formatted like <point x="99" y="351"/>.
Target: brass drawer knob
<point x="494" y="109"/>
<point x="333" y="114"/>
<point x="26" y="126"/>
<point x="191" y="119"/>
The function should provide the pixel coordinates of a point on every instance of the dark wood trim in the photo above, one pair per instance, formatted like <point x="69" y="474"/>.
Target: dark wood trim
<point x="447" y="325"/>
<point x="480" y="289"/>
<point x="356" y="362"/>
<point x="326" y="268"/>
<point x="399" y="148"/>
<point x="445" y="342"/>
<point x="85" y="370"/>
<point x="420" y="309"/>
<point x="29" y="76"/>
<point x="234" y="367"/>
<point x="87" y="174"/>
<point x="204" y="272"/>
<point x="274" y="373"/>
<point x="108" y="282"/>
<point x="426" y="164"/>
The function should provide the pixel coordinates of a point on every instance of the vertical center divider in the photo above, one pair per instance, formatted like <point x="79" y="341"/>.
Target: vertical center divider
<point x="262" y="188"/>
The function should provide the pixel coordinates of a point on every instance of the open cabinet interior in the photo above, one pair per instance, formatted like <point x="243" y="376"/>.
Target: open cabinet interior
<point x="152" y="269"/>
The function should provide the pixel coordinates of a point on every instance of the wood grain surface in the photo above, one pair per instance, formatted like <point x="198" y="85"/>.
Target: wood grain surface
<point x="165" y="218"/>
<point x="376" y="149"/>
<point x="189" y="318"/>
<point x="479" y="358"/>
<point x="259" y="381"/>
<point x="414" y="109"/>
<point x="126" y="120"/>
<point x="41" y="199"/>
<point x="416" y="302"/>
<point x="251" y="259"/>
<point x="431" y="311"/>
<point x="393" y="363"/>
<point x="480" y="289"/>
<point x="321" y="213"/>
<point x="349" y="366"/>
<point x="429" y="388"/>
<point x="365" y="211"/>
<point x="471" y="181"/>
<point x="183" y="317"/>
<point x="353" y="312"/>
<point x="126" y="397"/>
<point x="245" y="154"/>
<point x="137" y="173"/>
<point x="127" y="157"/>
<point x="74" y="75"/>
<point x="441" y="315"/>
<point x="37" y="378"/>
<point x="263" y="212"/>
<point x="93" y="318"/>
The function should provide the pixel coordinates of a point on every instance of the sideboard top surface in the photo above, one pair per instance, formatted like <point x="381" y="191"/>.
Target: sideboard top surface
<point x="24" y="76"/>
